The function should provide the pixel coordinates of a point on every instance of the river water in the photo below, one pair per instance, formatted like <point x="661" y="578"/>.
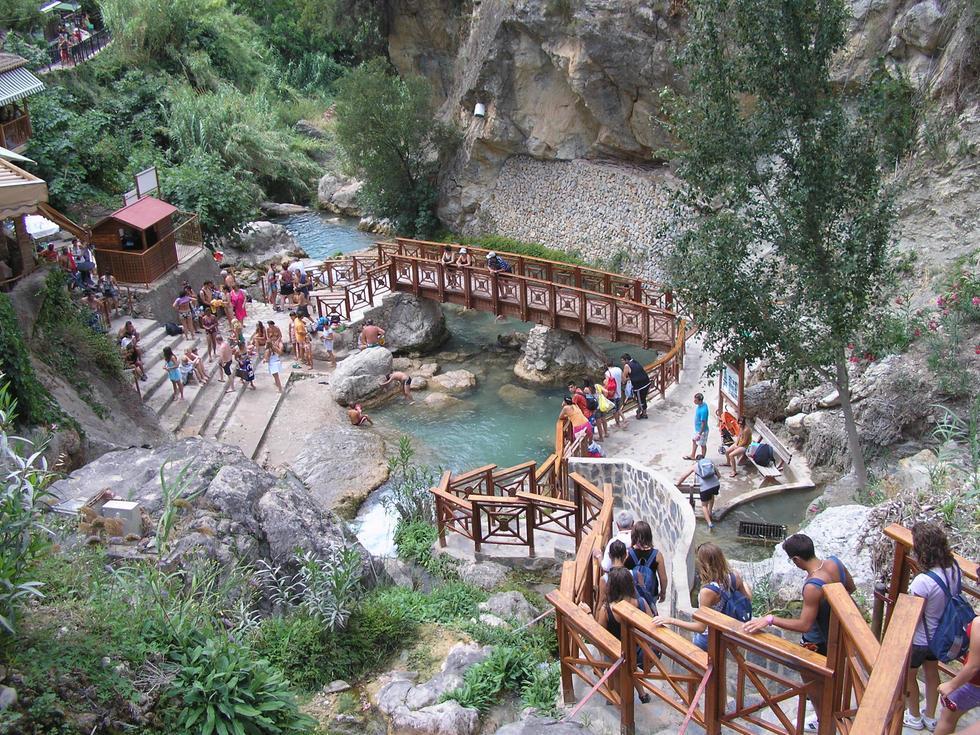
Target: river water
<point x="486" y="428"/>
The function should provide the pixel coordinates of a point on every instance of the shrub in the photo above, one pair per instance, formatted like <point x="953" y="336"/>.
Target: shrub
<point x="28" y="400"/>
<point x="414" y="540"/>
<point x="410" y="498"/>
<point x="505" y="669"/>
<point x="448" y="603"/>
<point x="541" y="689"/>
<point x="223" y="688"/>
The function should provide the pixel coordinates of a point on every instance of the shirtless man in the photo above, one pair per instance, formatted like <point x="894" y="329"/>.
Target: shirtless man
<point x="273" y="338"/>
<point x="225" y="358"/>
<point x="370" y="334"/>
<point x="357" y="416"/>
<point x="404" y="379"/>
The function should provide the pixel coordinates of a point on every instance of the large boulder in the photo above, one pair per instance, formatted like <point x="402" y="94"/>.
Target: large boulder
<point x="442" y="401"/>
<point x="836" y="532"/>
<point x="236" y="511"/>
<point x="263" y="240"/>
<point x="339" y="195"/>
<point x="357" y="376"/>
<point x="554" y="356"/>
<point x="411" y="324"/>
<point x="454" y="381"/>
<point x="532" y="724"/>
<point x="510" y="606"/>
<point x="764" y="400"/>
<point x="413" y="707"/>
<point x="516" y="395"/>
<point x="921" y="26"/>
<point x="330" y="464"/>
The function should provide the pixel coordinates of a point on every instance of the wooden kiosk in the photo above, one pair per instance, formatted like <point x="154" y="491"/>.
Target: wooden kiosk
<point x="136" y="244"/>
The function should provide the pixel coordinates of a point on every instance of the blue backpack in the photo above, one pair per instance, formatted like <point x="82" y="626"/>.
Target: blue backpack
<point x="645" y="577"/>
<point x="734" y="602"/>
<point x="948" y="640"/>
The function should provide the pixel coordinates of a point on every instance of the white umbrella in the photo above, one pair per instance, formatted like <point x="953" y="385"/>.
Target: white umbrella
<point x="40" y="227"/>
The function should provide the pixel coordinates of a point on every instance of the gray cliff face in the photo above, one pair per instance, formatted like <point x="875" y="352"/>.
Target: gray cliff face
<point x="571" y="90"/>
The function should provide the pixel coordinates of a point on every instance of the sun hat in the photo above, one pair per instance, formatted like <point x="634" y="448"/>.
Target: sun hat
<point x="463" y="250"/>
<point x="491" y="254"/>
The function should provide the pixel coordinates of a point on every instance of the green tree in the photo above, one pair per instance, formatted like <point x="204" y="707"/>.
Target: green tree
<point x="785" y="254"/>
<point x="386" y="127"/>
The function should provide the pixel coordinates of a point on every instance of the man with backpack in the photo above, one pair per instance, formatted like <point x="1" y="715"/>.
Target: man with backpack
<point x="647" y="566"/>
<point x="496" y="264"/>
<point x="636" y="375"/>
<point x="708" y="484"/>
<point x="814" y="620"/>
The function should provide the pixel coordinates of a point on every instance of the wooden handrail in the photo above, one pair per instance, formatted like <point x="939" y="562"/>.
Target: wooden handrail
<point x="851" y="622"/>
<point x="772" y="646"/>
<point x="883" y="702"/>
<point x="902" y="535"/>
<point x="473" y="473"/>
<point x="668" y="639"/>
<point x="601" y="638"/>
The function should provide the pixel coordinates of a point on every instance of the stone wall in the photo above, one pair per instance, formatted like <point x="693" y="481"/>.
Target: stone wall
<point x="604" y="212"/>
<point x="652" y="497"/>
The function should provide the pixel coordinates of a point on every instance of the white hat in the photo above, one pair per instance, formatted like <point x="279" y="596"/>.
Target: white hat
<point x="462" y="251"/>
<point x="125" y="342"/>
<point x="491" y="254"/>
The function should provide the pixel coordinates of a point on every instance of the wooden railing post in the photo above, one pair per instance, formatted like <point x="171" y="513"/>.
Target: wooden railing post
<point x="564" y="654"/>
<point x="627" y="714"/>
<point x="715" y="695"/>
<point x="529" y="513"/>
<point x="477" y="524"/>
<point x="898" y="581"/>
<point x="441" y="521"/>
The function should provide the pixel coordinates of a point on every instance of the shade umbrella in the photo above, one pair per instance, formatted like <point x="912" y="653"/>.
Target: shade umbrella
<point x="40" y="227"/>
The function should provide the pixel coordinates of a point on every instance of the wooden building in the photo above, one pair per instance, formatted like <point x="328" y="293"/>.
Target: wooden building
<point x="16" y="84"/>
<point x="137" y="244"/>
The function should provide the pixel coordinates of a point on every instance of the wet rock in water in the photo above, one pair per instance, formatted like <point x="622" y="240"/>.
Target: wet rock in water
<point x="509" y="606"/>
<point x="358" y="375"/>
<point x="554" y="356"/>
<point x="418" y="383"/>
<point x="427" y="369"/>
<point x="338" y="194"/>
<point x="515" y="395"/>
<point x="455" y="381"/>
<point x="512" y="341"/>
<point x="332" y="466"/>
<point x="282" y="209"/>
<point x="411" y="324"/>
<point x="442" y="401"/>
<point x="262" y="241"/>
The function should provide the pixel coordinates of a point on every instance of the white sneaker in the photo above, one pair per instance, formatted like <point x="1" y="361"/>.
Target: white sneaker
<point x="913" y="723"/>
<point x="812" y="725"/>
<point x="930" y="723"/>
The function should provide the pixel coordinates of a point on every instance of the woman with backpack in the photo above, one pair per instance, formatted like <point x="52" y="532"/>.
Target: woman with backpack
<point x="940" y="579"/>
<point x="721" y="589"/>
<point x="962" y="693"/>
<point x="647" y="566"/>
<point x="620" y="588"/>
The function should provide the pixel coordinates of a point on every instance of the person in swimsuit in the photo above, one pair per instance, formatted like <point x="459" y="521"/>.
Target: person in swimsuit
<point x="357" y="417"/>
<point x="580" y="424"/>
<point x="621" y="588"/>
<point x="225" y="356"/>
<point x="256" y="345"/>
<point x="244" y="369"/>
<point x="237" y="298"/>
<point x="190" y="354"/>
<point x="301" y="343"/>
<point x="741" y="445"/>
<point x="273" y="352"/>
<point x="209" y="323"/>
<point x="184" y="304"/>
<point x="448" y="257"/>
<point x="371" y="334"/>
<point x="814" y="620"/>
<point x="172" y="367"/>
<point x="464" y="259"/>
<point x="402" y="378"/>
<point x="272" y="286"/>
<point x="226" y="303"/>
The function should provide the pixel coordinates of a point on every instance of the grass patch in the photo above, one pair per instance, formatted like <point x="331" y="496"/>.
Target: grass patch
<point x="517" y="247"/>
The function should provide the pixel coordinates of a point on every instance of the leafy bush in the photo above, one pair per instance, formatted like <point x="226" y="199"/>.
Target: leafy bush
<point x="889" y="103"/>
<point x="224" y="689"/>
<point x="29" y="401"/>
<point x="410" y="498"/>
<point x="505" y="669"/>
<point x="958" y="309"/>
<point x="386" y="127"/>
<point x="223" y="197"/>
<point x="536" y="643"/>
<point x="541" y="689"/>
<point x="414" y="541"/>
<point x="22" y="496"/>
<point x="509" y="245"/>
<point x="448" y="603"/>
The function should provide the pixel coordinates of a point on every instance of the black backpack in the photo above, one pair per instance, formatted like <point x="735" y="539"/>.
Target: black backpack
<point x="763" y="455"/>
<point x="591" y="402"/>
<point x="172" y="329"/>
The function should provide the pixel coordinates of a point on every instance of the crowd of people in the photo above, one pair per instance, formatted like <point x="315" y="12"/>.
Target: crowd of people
<point x="635" y="572"/>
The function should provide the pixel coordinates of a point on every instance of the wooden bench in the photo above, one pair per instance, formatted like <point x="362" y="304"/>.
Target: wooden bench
<point x="781" y="454"/>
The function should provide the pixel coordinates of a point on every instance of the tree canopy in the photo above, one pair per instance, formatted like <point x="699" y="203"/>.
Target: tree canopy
<point x="784" y="249"/>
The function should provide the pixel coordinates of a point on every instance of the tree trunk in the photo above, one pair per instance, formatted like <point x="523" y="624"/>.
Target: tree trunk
<point x="843" y="384"/>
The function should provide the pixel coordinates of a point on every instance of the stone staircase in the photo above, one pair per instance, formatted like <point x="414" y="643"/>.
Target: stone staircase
<point x="241" y="418"/>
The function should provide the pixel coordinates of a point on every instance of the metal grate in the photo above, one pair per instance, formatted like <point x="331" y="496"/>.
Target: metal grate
<point x="761" y="531"/>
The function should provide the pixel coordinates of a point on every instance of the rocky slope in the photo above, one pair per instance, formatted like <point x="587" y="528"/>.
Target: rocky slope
<point x="571" y="85"/>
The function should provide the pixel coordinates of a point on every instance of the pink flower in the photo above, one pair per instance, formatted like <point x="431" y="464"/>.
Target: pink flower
<point x="940" y="301"/>
<point x="900" y="301"/>
<point x="933" y="326"/>
<point x="850" y="346"/>
<point x="975" y="301"/>
<point x="945" y="312"/>
<point x="919" y="312"/>
<point x="853" y="358"/>
<point x="869" y="356"/>
<point x="917" y="333"/>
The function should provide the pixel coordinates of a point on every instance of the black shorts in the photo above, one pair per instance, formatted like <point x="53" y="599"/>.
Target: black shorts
<point x="227" y="367"/>
<point x="287" y="290"/>
<point x="408" y="380"/>
<point x="920" y="654"/>
<point x="708" y="495"/>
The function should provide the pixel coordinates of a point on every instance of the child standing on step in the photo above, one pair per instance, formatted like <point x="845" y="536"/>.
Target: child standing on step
<point x="172" y="367"/>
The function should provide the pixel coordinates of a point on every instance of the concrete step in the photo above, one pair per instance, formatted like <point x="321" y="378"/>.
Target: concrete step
<point x="248" y="422"/>
<point x="207" y="402"/>
<point x="157" y="393"/>
<point x="174" y="414"/>
<point x="223" y="410"/>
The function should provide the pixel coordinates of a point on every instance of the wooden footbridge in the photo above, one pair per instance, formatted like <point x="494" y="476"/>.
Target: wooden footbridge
<point x="588" y="301"/>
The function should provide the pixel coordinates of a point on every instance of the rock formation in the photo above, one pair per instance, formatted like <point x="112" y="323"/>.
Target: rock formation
<point x="262" y="241"/>
<point x="411" y="323"/>
<point x="553" y="356"/>
<point x="454" y="381"/>
<point x="339" y="195"/>
<point x="357" y="376"/>
<point x="238" y="511"/>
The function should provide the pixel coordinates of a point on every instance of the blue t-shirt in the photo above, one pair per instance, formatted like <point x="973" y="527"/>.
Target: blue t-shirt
<point x="701" y="417"/>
